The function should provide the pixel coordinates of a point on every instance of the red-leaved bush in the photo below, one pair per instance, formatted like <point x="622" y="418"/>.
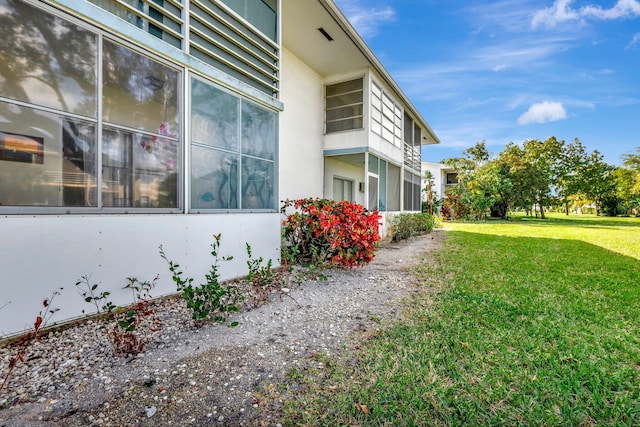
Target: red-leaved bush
<point x="321" y="230"/>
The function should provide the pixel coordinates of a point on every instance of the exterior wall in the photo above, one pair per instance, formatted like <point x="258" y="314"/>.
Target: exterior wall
<point x="301" y="130"/>
<point x="439" y="172"/>
<point x="336" y="168"/>
<point x="42" y="253"/>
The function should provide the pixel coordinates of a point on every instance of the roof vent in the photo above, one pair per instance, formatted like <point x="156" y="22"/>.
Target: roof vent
<point x="325" y="34"/>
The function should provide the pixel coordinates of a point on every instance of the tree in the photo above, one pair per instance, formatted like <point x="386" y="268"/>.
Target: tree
<point x="627" y="181"/>
<point x="542" y="157"/>
<point x="597" y="182"/>
<point x="568" y="177"/>
<point x="469" y="198"/>
<point x="431" y="202"/>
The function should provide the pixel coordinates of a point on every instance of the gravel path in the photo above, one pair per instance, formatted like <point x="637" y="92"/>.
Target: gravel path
<point x="208" y="375"/>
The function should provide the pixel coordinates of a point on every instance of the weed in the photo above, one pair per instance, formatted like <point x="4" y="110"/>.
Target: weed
<point x="126" y="334"/>
<point x="210" y="300"/>
<point x="22" y="345"/>
<point x="261" y="277"/>
<point x="90" y="294"/>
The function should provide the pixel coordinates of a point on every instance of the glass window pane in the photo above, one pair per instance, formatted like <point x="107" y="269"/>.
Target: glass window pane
<point x="46" y="60"/>
<point x="258" y="131"/>
<point x="346" y="99"/>
<point x="138" y="170"/>
<point x="214" y="116"/>
<point x="257" y="184"/>
<point x="45" y="160"/>
<point x="342" y="189"/>
<point x="376" y="127"/>
<point x="347" y="124"/>
<point x="417" y="136"/>
<point x="344" y="112"/>
<point x="373" y="164"/>
<point x="139" y="92"/>
<point x="377" y="92"/>
<point x="344" y="87"/>
<point x="383" y="186"/>
<point x="121" y="11"/>
<point x="259" y="13"/>
<point x="214" y="179"/>
<point x="373" y="193"/>
<point x="393" y="188"/>
<point x="408" y="129"/>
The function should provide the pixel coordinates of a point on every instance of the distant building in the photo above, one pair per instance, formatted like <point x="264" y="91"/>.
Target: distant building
<point x="443" y="176"/>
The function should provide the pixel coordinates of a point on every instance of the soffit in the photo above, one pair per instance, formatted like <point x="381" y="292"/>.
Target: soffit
<point x="301" y="20"/>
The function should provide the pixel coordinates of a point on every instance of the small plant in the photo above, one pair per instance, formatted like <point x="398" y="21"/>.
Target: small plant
<point x="140" y="291"/>
<point x="261" y="277"/>
<point x="90" y="294"/>
<point x="22" y="345"/>
<point x="125" y="334"/>
<point x="129" y="335"/>
<point x="210" y="300"/>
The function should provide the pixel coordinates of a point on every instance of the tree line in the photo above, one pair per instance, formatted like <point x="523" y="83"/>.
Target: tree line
<point x="536" y="176"/>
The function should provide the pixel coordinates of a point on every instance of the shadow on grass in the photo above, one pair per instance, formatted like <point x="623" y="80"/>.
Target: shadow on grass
<point x="581" y="221"/>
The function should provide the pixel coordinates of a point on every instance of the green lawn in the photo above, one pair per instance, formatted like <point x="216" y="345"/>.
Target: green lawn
<point x="526" y="322"/>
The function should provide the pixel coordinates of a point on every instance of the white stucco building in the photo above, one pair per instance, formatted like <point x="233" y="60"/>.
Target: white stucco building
<point x="442" y="175"/>
<point x="129" y="124"/>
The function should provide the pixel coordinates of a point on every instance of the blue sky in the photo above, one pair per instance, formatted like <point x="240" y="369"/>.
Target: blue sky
<point x="512" y="70"/>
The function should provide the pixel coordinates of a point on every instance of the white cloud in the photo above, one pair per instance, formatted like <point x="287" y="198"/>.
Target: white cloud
<point x="365" y="18"/>
<point x="542" y="112"/>
<point x="634" y="41"/>
<point x="622" y="9"/>
<point x="561" y="11"/>
<point x="551" y="16"/>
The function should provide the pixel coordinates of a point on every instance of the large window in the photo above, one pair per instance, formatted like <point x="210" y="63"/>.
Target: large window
<point x="50" y="130"/>
<point x="386" y="116"/>
<point x="344" y="106"/>
<point x="233" y="151"/>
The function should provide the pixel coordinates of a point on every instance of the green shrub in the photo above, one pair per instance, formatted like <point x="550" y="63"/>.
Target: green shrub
<point x="210" y="300"/>
<point x="325" y="231"/>
<point x="407" y="225"/>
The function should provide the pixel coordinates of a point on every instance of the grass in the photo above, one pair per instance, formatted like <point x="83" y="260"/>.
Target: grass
<point x="527" y="322"/>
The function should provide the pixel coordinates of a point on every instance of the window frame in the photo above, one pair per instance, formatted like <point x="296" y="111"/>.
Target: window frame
<point x="353" y="118"/>
<point x="239" y="151"/>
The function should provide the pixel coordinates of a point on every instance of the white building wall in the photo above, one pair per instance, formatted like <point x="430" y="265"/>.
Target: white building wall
<point x="42" y="253"/>
<point x="301" y="130"/>
<point x="439" y="172"/>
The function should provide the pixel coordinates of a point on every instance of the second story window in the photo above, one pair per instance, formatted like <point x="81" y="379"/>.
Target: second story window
<point x="386" y="116"/>
<point x="344" y="106"/>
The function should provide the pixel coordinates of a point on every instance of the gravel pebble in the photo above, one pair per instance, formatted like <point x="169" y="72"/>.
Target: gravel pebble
<point x="206" y="375"/>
